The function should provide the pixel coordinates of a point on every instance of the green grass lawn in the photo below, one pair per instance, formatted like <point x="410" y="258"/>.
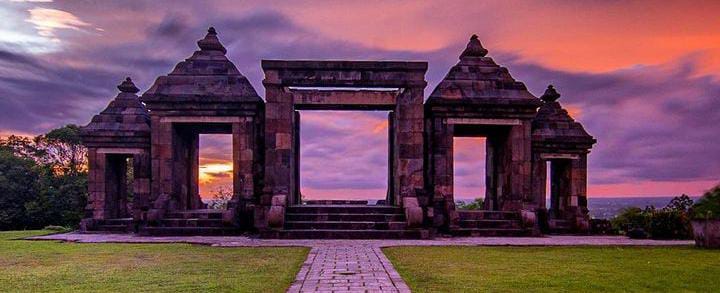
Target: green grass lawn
<point x="557" y="269"/>
<point x="43" y="266"/>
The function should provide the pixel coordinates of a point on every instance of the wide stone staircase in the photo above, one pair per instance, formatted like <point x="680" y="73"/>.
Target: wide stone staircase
<point x="482" y="223"/>
<point x="345" y="221"/>
<point x="119" y="225"/>
<point x="559" y="227"/>
<point x="201" y="222"/>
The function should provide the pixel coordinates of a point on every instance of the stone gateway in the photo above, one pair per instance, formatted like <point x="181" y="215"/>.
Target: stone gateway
<point x="154" y="138"/>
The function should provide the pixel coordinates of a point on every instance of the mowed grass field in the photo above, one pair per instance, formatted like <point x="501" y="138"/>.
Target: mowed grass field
<point x="557" y="269"/>
<point x="46" y="266"/>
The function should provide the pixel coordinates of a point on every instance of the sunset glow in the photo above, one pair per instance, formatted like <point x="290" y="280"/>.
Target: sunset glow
<point x="210" y="171"/>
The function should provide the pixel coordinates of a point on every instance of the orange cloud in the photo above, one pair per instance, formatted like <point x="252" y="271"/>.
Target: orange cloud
<point x="382" y="126"/>
<point x="573" y="111"/>
<point x="210" y="171"/>
<point x="578" y="36"/>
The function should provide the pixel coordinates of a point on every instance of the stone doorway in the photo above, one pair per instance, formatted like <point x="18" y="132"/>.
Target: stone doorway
<point x="470" y="169"/>
<point x="562" y="178"/>
<point x="344" y="156"/>
<point x="215" y="178"/>
<point x="293" y="86"/>
<point x="118" y="185"/>
<point x="498" y="150"/>
<point x="186" y="160"/>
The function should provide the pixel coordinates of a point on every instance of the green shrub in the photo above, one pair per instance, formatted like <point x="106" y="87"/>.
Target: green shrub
<point x="631" y="218"/>
<point x="602" y="227"/>
<point x="670" y="222"/>
<point x="708" y="206"/>
<point x="670" y="225"/>
<point x="477" y="204"/>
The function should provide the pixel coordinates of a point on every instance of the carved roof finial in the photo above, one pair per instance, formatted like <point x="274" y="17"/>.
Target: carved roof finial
<point x="127" y="86"/>
<point x="550" y="95"/>
<point x="474" y="48"/>
<point x="211" y="42"/>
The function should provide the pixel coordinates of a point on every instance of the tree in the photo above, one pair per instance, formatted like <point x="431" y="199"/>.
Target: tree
<point x="43" y="181"/>
<point x="62" y="149"/>
<point x="221" y="196"/>
<point x="18" y="185"/>
<point x="20" y="146"/>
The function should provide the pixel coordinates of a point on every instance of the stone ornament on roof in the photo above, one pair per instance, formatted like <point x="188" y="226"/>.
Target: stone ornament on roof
<point x="128" y="86"/>
<point x="474" y="48"/>
<point x="550" y="95"/>
<point x="211" y="42"/>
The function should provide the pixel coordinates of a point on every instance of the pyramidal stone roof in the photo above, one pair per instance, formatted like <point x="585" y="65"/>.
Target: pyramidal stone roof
<point x="477" y="79"/>
<point x="553" y="124"/>
<point x="206" y="76"/>
<point x="125" y="119"/>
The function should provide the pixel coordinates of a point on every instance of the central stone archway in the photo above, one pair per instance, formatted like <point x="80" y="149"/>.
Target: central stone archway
<point x="392" y="86"/>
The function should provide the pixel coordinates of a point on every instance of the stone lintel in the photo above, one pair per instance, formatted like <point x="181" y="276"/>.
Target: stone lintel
<point x="203" y="119"/>
<point x="345" y="65"/>
<point x="344" y="99"/>
<point x="366" y="74"/>
<point x="121" y="151"/>
<point x="483" y="121"/>
<point x="560" y="156"/>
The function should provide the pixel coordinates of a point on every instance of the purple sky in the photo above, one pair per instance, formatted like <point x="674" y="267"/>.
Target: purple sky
<point x="641" y="78"/>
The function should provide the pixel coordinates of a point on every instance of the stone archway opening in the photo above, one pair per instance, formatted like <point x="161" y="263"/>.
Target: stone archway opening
<point x="215" y="169"/>
<point x="119" y="185"/>
<point x="470" y="171"/>
<point x="344" y="156"/>
<point x="563" y="180"/>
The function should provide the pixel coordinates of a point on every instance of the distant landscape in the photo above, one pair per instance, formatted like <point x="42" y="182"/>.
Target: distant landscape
<point x="607" y="207"/>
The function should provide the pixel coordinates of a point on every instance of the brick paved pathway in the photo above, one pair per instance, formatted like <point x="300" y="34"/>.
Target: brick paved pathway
<point x="347" y="268"/>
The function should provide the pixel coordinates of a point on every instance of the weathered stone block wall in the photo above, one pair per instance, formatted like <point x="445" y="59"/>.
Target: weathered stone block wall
<point x="409" y="145"/>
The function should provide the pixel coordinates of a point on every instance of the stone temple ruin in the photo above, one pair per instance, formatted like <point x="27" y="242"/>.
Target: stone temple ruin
<point x="156" y="137"/>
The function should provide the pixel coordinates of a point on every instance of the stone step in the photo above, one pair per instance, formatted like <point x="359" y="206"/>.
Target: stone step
<point x="119" y="221"/>
<point x="190" y="231"/>
<point x="195" y="214"/>
<point x="489" y="232"/>
<point x="560" y="231"/>
<point x="344" y="225"/>
<point x="346" y="234"/>
<point x="345" y="217"/>
<point x="559" y="224"/>
<point x="503" y="224"/>
<point x="112" y="228"/>
<point x="343" y="209"/>
<point x="335" y="202"/>
<point x="175" y="222"/>
<point x="489" y="215"/>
